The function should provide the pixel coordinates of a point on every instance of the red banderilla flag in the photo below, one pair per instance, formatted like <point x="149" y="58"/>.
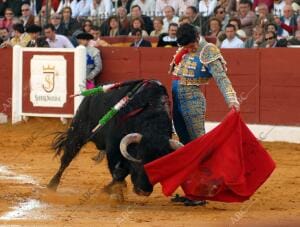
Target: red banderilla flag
<point x="227" y="164"/>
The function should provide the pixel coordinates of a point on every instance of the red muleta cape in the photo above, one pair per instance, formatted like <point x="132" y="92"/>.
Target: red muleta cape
<point x="227" y="164"/>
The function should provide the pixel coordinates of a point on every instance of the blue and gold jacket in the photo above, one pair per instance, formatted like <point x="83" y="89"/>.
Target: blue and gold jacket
<point x="197" y="68"/>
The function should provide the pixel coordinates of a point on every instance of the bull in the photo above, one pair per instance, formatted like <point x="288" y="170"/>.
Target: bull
<point x="140" y="133"/>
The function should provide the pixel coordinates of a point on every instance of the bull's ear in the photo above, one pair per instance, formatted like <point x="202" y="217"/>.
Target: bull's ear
<point x="174" y="144"/>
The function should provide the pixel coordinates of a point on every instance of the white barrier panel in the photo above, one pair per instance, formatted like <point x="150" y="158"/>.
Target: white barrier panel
<point x="43" y="80"/>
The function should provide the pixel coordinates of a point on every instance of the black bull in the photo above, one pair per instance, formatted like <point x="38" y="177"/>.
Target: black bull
<point x="140" y="133"/>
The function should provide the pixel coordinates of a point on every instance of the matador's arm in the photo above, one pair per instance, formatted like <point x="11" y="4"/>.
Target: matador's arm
<point x="211" y="57"/>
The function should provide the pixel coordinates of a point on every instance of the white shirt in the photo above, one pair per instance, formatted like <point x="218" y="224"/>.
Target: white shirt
<point x="105" y="7"/>
<point x="161" y="4"/>
<point x="206" y="9"/>
<point x="63" y="5"/>
<point x="285" y="33"/>
<point x="81" y="8"/>
<point x="33" y="7"/>
<point x="175" y="19"/>
<point x="278" y="8"/>
<point x="60" y="41"/>
<point x="146" y="6"/>
<point x="183" y="4"/>
<point x="234" y="43"/>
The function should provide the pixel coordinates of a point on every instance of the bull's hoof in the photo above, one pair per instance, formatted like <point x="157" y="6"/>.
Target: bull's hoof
<point x="52" y="185"/>
<point x="99" y="157"/>
<point x="114" y="184"/>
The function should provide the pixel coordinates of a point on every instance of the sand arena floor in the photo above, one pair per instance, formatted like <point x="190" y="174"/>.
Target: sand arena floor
<point x="27" y="164"/>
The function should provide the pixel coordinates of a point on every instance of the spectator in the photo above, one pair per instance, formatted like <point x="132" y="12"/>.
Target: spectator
<point x="147" y="6"/>
<point x="138" y="23"/>
<point x="87" y="26"/>
<point x="123" y="19"/>
<point x="81" y="8"/>
<point x="278" y="7"/>
<point x="8" y="20"/>
<point x="4" y="35"/>
<point x="125" y="3"/>
<point x="264" y="17"/>
<point x="114" y="27"/>
<point x="257" y="39"/>
<point x="246" y="16"/>
<point x="268" y="3"/>
<point x="70" y="24"/>
<point x="295" y="5"/>
<point x="206" y="8"/>
<point x="136" y="12"/>
<point x="138" y="39"/>
<point x="161" y="4"/>
<point x="15" y="5"/>
<point x="271" y="27"/>
<point x="158" y="27"/>
<point x="282" y="43"/>
<point x="27" y="17"/>
<point x="33" y="31"/>
<point x="101" y="7"/>
<point x="41" y="19"/>
<point x="195" y="18"/>
<point x="93" y="61"/>
<point x="185" y="20"/>
<point x="221" y="14"/>
<point x="20" y="38"/>
<point x="42" y="42"/>
<point x="183" y="4"/>
<point x="50" y="7"/>
<point x="215" y="27"/>
<point x="237" y="24"/>
<point x="230" y="6"/>
<point x="55" y="40"/>
<point x="295" y="40"/>
<point x="97" y="41"/>
<point x="231" y="41"/>
<point x="170" y="17"/>
<point x="55" y="20"/>
<point x="168" y="39"/>
<point x="215" y="31"/>
<point x="287" y="24"/>
<point x="35" y="6"/>
<point x="63" y="4"/>
<point x="271" y="39"/>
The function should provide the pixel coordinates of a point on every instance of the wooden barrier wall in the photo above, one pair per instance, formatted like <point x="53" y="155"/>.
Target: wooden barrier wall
<point x="267" y="81"/>
<point x="5" y="80"/>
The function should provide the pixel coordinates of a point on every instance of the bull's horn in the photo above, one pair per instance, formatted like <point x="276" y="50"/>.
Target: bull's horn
<point x="128" y="139"/>
<point x="174" y="144"/>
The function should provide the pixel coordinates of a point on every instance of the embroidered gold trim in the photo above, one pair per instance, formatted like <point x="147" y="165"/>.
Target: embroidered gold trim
<point x="193" y="81"/>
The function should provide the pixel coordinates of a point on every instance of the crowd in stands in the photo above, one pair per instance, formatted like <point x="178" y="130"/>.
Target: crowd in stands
<point x="232" y="23"/>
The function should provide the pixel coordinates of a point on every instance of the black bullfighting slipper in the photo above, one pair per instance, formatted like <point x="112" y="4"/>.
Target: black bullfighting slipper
<point x="178" y="199"/>
<point x="189" y="202"/>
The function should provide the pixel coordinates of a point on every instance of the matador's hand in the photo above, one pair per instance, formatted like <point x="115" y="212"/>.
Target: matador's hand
<point x="234" y="105"/>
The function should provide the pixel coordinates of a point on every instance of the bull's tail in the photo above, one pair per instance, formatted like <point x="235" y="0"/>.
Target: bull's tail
<point x="59" y="142"/>
<point x="69" y="144"/>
